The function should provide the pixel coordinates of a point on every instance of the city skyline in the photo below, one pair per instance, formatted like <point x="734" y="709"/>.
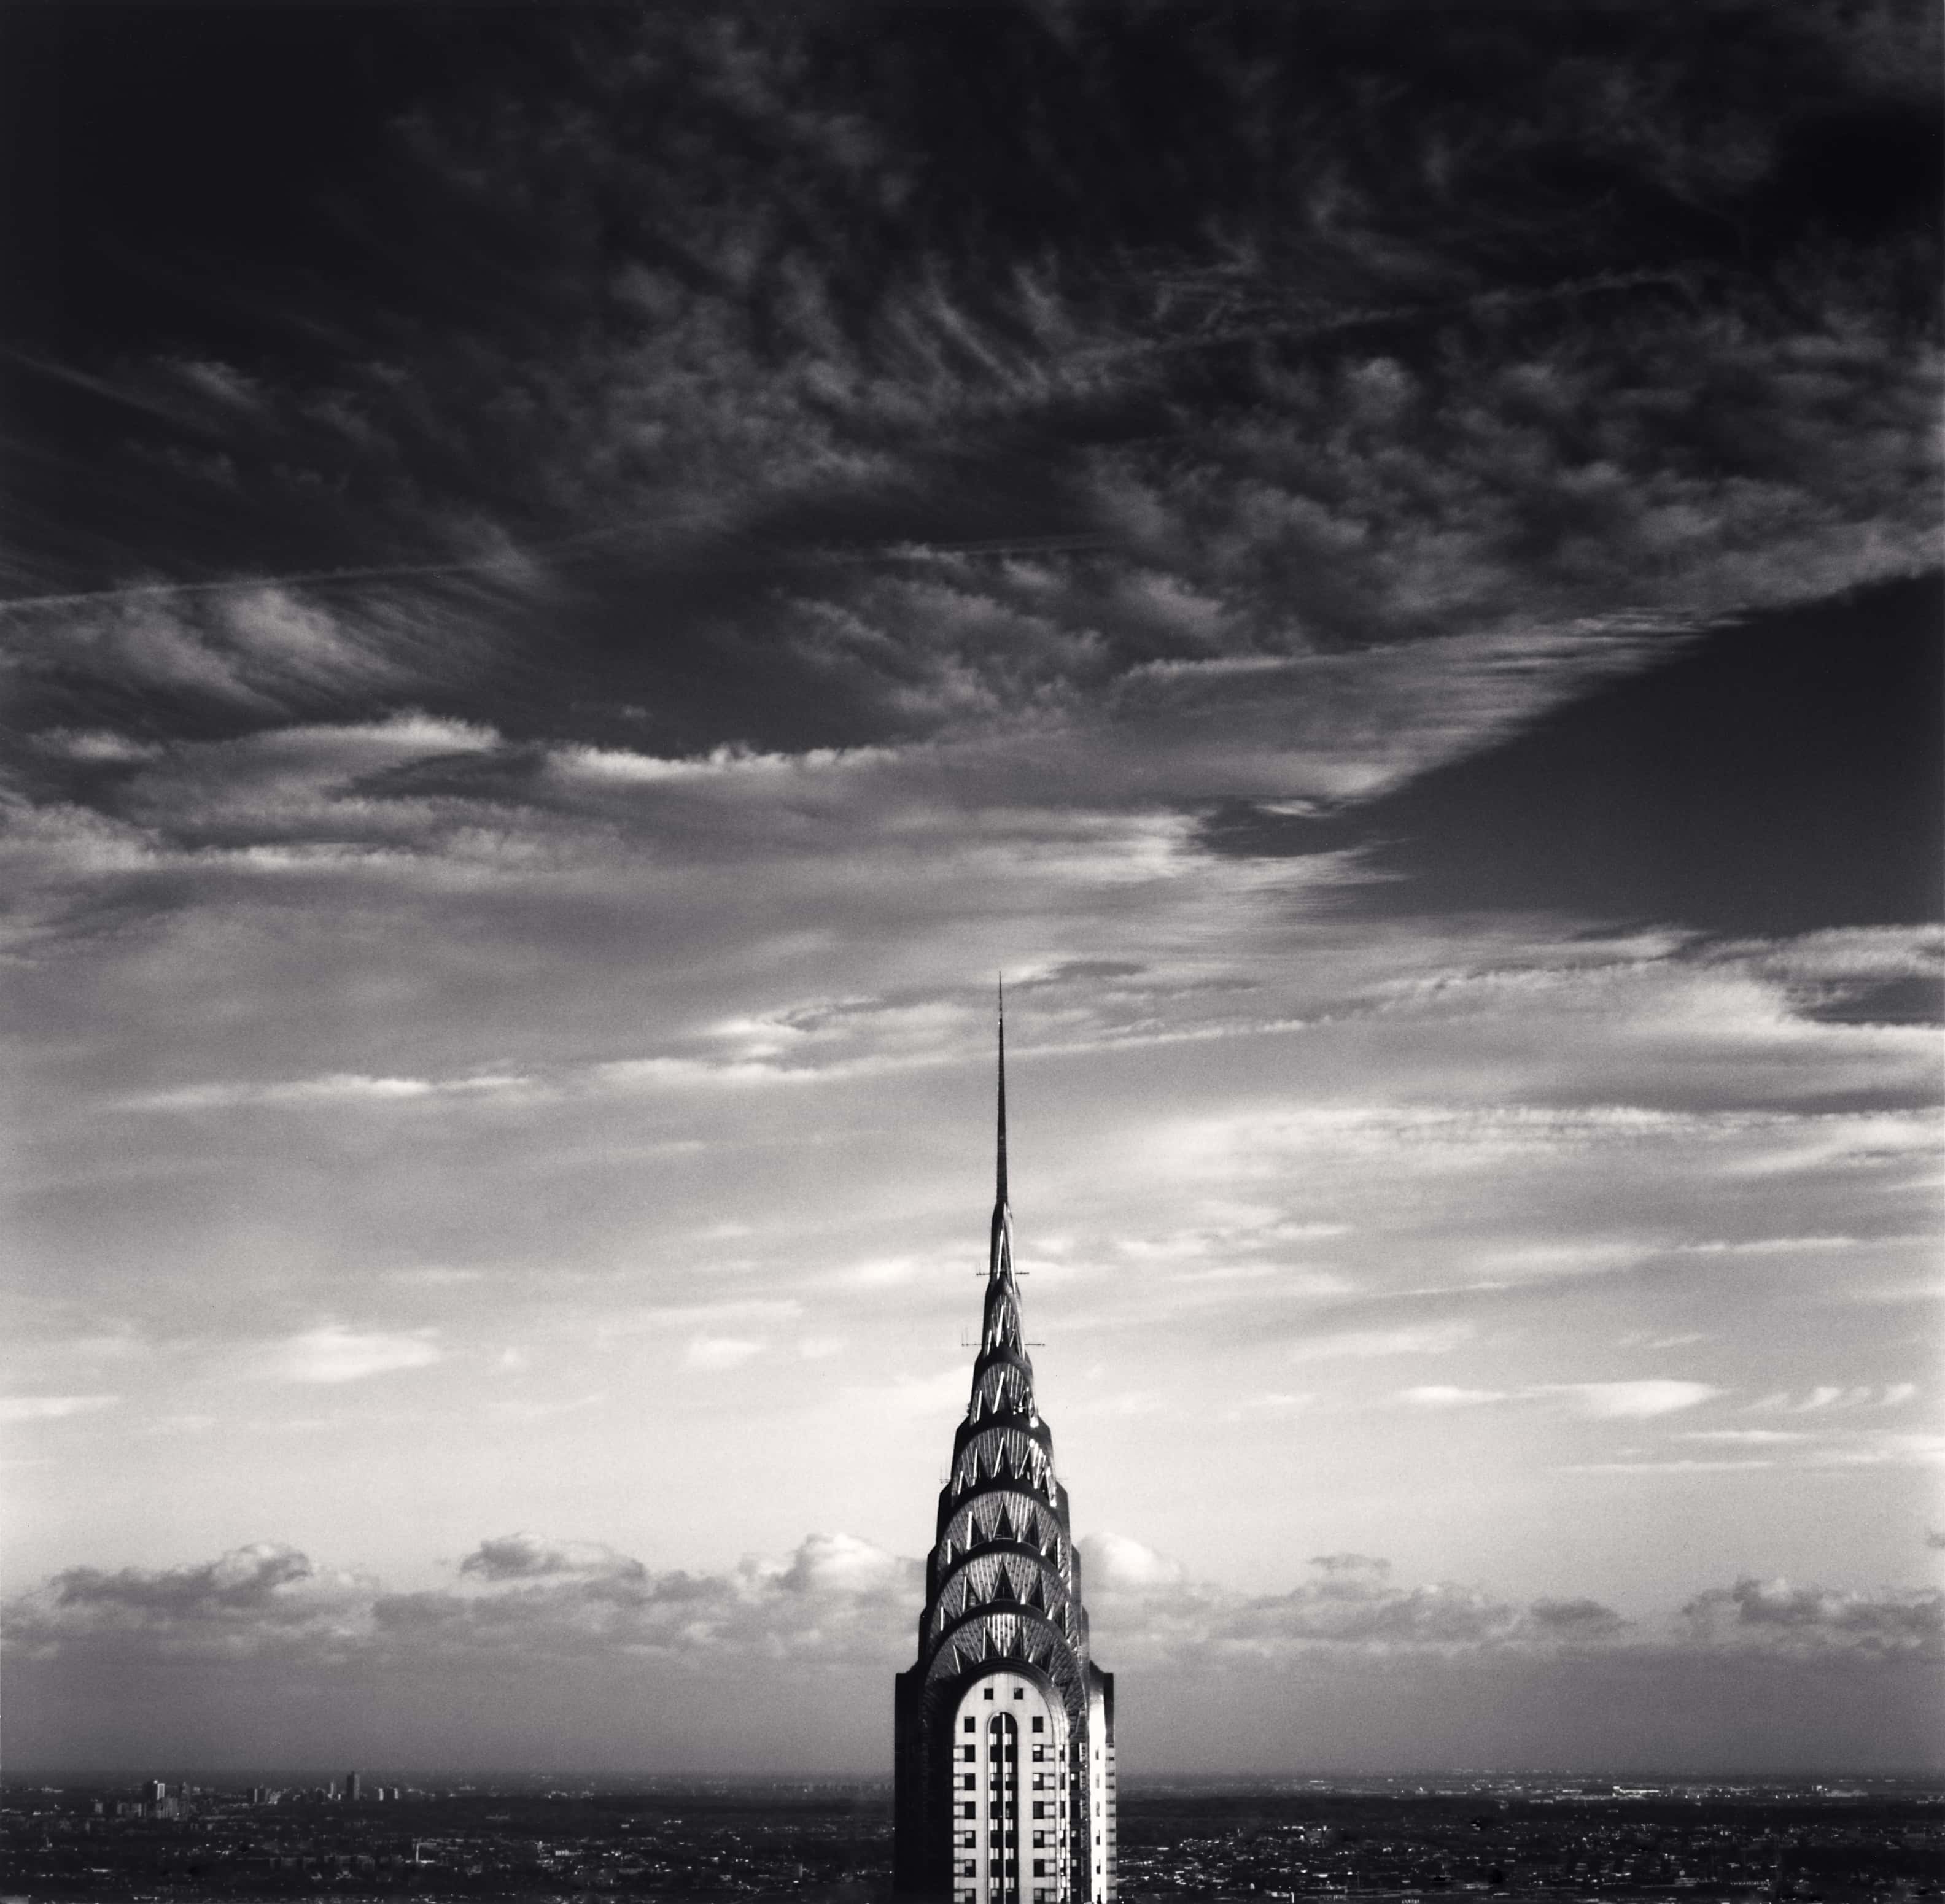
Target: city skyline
<point x="577" y="580"/>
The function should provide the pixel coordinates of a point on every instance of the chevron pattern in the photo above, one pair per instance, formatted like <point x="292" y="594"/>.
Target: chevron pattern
<point x="1002" y="1595"/>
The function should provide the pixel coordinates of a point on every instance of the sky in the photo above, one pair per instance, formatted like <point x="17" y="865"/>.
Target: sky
<point x="578" y="581"/>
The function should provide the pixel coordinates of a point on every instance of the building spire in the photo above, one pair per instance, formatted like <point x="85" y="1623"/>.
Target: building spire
<point x="1003" y="1620"/>
<point x="1001" y="1198"/>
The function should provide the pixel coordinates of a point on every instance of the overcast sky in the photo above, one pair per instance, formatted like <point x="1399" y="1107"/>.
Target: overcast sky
<point x="578" y="582"/>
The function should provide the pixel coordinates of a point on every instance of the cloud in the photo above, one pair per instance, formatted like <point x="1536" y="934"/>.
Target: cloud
<point x="265" y="1599"/>
<point x="526" y="1556"/>
<point x="717" y="1353"/>
<point x="1158" y="1614"/>
<point x="1579" y="1619"/>
<point x="1605" y="1401"/>
<point x="265" y="652"/>
<point x="1812" y="1621"/>
<point x="349" y="1089"/>
<point x="1116" y="1564"/>
<point x="837" y="1598"/>
<point x="1443" y="1395"/>
<point x="1746" y="1438"/>
<point x="1832" y="1396"/>
<point x="1635" y="1400"/>
<point x="534" y="1638"/>
<point x="52" y="1408"/>
<point x="336" y="1353"/>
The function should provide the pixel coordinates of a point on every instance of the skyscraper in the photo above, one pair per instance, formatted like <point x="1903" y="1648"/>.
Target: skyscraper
<point x="1005" y="1726"/>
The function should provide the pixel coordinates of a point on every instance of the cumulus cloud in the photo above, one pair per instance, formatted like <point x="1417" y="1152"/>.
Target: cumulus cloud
<point x="266" y="1598"/>
<point x="839" y="1599"/>
<point x="526" y="1557"/>
<point x="1812" y="1621"/>
<point x="525" y="1621"/>
<point x="1156" y="1612"/>
<point x="835" y="1600"/>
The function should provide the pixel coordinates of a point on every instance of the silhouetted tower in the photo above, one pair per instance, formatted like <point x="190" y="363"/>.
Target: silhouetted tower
<point x="1005" y="1756"/>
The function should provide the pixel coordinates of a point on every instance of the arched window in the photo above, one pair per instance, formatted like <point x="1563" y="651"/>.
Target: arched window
<point x="1002" y="1810"/>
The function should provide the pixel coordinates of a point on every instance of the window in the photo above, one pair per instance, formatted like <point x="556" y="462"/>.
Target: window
<point x="965" y="1781"/>
<point x="969" y="1752"/>
<point x="989" y="1692"/>
<point x="971" y="1723"/>
<point x="969" y="1869"/>
<point x="1039" y="1867"/>
<point x="1019" y="1692"/>
<point x="966" y="1811"/>
<point x="1040" y="1725"/>
<point x="1039" y="1809"/>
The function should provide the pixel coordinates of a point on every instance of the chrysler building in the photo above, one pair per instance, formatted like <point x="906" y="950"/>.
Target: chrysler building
<point x="1005" y="1726"/>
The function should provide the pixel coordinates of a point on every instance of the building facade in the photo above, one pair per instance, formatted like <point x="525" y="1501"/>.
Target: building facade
<point x="1005" y="1726"/>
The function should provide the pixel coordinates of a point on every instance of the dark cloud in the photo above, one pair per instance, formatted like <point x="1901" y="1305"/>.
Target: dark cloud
<point x="1325" y="334"/>
<point x="1773" y="777"/>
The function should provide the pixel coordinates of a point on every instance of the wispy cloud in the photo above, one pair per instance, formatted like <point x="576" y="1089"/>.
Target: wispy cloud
<point x="336" y="1353"/>
<point x="1608" y="1401"/>
<point x="52" y="1408"/>
<point x="715" y="1353"/>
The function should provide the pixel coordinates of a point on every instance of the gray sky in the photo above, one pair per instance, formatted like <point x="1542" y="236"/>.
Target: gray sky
<point x="566" y="615"/>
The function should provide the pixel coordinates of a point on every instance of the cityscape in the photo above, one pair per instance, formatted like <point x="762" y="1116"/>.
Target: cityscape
<point x="1387" y="1840"/>
<point x="756" y="753"/>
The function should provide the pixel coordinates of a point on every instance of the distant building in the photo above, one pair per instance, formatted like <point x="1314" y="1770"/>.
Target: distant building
<point x="1005" y="1726"/>
<point x="353" y="1788"/>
